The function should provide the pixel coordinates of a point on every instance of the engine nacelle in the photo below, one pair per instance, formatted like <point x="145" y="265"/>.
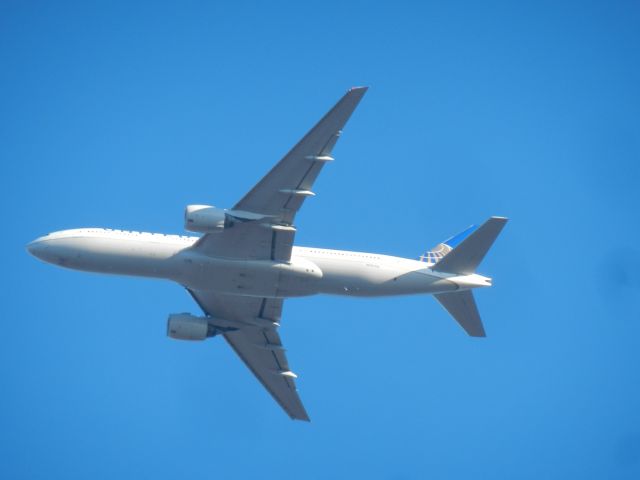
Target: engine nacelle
<point x="204" y="219"/>
<point x="184" y="326"/>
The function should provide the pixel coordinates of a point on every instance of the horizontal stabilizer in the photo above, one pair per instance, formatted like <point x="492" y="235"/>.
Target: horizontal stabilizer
<point x="465" y="258"/>
<point x="462" y="307"/>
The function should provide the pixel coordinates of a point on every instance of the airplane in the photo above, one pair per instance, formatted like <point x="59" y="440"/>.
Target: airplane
<point x="245" y="264"/>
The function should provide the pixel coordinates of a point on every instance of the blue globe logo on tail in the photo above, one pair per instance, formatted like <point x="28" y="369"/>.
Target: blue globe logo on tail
<point x="439" y="251"/>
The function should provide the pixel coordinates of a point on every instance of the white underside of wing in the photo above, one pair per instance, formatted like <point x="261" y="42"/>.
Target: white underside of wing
<point x="261" y="351"/>
<point x="259" y="347"/>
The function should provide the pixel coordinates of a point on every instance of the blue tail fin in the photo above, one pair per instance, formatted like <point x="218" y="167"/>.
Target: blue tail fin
<point x="456" y="240"/>
<point x="440" y="250"/>
<point x="465" y="258"/>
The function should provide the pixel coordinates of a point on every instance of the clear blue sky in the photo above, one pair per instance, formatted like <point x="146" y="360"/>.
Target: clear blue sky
<point x="118" y="115"/>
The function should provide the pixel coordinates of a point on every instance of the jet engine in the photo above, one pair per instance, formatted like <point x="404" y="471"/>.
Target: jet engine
<point x="204" y="219"/>
<point x="184" y="326"/>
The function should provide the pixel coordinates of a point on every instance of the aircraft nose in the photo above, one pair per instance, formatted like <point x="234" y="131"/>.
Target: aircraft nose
<point x="38" y="248"/>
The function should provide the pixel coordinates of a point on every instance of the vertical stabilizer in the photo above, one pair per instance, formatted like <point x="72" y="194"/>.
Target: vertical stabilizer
<point x="462" y="307"/>
<point x="465" y="258"/>
<point x="442" y="249"/>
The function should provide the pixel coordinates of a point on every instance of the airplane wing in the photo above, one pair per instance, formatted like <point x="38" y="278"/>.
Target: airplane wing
<point x="261" y="228"/>
<point x="281" y="192"/>
<point x="259" y="347"/>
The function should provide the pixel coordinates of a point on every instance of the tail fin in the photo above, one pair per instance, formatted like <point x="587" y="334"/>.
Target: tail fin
<point x="462" y="307"/>
<point x="440" y="250"/>
<point x="464" y="258"/>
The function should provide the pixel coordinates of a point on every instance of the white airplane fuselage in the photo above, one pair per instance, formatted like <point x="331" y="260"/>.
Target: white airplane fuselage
<point x="311" y="270"/>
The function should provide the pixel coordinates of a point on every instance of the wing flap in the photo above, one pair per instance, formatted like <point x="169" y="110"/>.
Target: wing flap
<point x="281" y="245"/>
<point x="249" y="240"/>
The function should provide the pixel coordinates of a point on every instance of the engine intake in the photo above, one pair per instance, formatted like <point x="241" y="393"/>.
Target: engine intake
<point x="184" y="326"/>
<point x="204" y="219"/>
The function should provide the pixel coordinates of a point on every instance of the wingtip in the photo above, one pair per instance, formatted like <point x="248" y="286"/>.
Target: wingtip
<point x="358" y="89"/>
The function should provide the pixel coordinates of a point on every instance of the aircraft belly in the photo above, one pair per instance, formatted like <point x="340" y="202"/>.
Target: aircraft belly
<point x="299" y="277"/>
<point x="260" y="278"/>
<point x="370" y="280"/>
